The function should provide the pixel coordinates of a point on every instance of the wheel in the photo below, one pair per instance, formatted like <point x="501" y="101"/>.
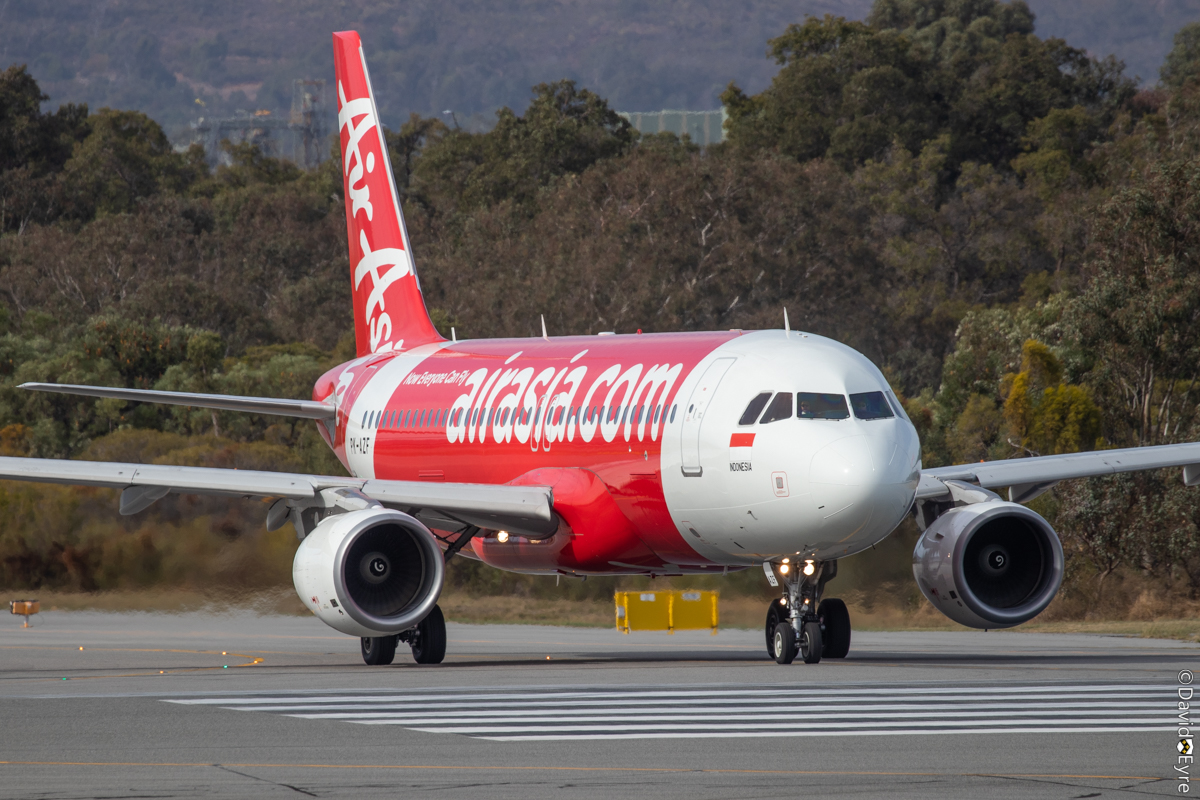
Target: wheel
<point x="810" y="642"/>
<point x="835" y="620"/>
<point x="378" y="650"/>
<point x="785" y="643"/>
<point x="775" y="615"/>
<point x="429" y="639"/>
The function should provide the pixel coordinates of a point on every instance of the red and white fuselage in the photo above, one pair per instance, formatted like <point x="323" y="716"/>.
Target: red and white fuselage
<point x="638" y="435"/>
<point x="655" y="461"/>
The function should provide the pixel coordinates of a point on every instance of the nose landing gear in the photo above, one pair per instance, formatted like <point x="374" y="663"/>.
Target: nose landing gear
<point x="801" y="623"/>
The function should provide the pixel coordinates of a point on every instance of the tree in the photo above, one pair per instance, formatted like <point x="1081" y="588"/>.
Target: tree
<point x="1182" y="64"/>
<point x="1138" y="315"/>
<point x="125" y="157"/>
<point x="564" y="131"/>
<point x="916" y="70"/>
<point x="33" y="147"/>
<point x="845" y="90"/>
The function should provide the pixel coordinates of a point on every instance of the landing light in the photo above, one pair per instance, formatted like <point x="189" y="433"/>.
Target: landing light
<point x="502" y="537"/>
<point x="809" y="567"/>
<point x="784" y="568"/>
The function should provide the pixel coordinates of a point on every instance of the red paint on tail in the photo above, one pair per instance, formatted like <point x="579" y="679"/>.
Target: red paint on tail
<point x="389" y="310"/>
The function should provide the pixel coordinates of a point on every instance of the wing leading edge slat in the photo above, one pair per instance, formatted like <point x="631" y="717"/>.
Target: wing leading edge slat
<point x="1050" y="469"/>
<point x="275" y="406"/>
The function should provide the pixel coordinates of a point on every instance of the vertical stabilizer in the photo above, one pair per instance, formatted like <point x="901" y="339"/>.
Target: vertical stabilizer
<point x="389" y="310"/>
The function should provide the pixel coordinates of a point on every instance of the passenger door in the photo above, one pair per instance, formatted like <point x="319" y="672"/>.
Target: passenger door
<point x="693" y="414"/>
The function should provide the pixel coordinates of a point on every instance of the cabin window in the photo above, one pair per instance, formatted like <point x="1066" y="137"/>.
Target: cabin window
<point x="780" y="408"/>
<point x="870" y="405"/>
<point x="755" y="408"/>
<point x="673" y="408"/>
<point x="815" y="405"/>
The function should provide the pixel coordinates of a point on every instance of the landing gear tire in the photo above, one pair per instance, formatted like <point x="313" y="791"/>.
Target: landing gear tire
<point x="378" y="651"/>
<point x="429" y="639"/>
<point x="810" y="642"/>
<point x="784" y="643"/>
<point x="775" y="615"/>
<point x="835" y="620"/>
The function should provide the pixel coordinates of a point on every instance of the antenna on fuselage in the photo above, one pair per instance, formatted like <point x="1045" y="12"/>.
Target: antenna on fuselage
<point x="544" y="336"/>
<point x="787" y="326"/>
<point x="453" y="335"/>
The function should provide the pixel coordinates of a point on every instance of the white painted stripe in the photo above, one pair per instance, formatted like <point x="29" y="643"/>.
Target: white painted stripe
<point x="539" y="708"/>
<point x="777" y="726"/>
<point x="605" y="697"/>
<point x="857" y="713"/>
<point x="795" y="734"/>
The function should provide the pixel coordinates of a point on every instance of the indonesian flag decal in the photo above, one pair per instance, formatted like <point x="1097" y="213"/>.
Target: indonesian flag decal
<point x="740" y="445"/>
<point x="389" y="310"/>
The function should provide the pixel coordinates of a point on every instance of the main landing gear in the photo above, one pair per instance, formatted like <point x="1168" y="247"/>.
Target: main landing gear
<point x="801" y="623"/>
<point x="427" y="640"/>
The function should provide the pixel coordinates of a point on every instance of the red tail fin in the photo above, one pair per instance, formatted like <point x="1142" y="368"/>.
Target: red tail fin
<point x="389" y="310"/>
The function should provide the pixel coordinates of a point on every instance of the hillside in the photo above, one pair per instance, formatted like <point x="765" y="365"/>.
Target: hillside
<point x="464" y="55"/>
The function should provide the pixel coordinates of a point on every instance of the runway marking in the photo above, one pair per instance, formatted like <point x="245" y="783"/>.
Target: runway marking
<point x="527" y="714"/>
<point x="520" y="768"/>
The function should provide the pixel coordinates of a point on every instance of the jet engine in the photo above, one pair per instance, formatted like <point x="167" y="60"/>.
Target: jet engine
<point x="371" y="572"/>
<point x="993" y="564"/>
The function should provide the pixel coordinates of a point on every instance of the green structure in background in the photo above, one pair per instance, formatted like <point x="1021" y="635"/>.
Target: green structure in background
<point x="704" y="127"/>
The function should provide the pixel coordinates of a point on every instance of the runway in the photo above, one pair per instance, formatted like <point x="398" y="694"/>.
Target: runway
<point x="207" y="705"/>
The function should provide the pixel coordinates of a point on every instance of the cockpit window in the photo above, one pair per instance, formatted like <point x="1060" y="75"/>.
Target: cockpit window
<point x="780" y="408"/>
<point x="898" y="407"/>
<point x="870" y="405"/>
<point x="813" y="405"/>
<point x="754" y="409"/>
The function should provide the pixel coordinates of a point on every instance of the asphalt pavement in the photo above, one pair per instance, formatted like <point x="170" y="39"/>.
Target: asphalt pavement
<point x="138" y="705"/>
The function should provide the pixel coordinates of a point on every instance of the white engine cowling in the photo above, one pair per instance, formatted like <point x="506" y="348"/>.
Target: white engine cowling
<point x="989" y="565"/>
<point x="371" y="572"/>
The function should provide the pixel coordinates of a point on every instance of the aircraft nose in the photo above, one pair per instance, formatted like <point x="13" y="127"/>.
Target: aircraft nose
<point x="845" y="462"/>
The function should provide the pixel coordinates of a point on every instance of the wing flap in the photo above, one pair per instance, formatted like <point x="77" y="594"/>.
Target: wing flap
<point x="276" y="406"/>
<point x="522" y="509"/>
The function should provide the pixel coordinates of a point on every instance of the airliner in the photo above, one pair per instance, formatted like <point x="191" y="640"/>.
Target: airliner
<point x="614" y="454"/>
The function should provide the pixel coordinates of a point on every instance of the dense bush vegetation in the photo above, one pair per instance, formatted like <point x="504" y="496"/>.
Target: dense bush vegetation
<point x="1000" y="221"/>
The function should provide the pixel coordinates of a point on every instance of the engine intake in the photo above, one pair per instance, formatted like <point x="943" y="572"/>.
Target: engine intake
<point x="369" y="573"/>
<point x="989" y="565"/>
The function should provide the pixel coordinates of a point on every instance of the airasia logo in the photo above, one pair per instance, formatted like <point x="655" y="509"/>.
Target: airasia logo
<point x="556" y="404"/>
<point x="386" y="265"/>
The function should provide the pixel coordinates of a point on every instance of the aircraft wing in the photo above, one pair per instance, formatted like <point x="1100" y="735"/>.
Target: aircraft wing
<point x="1026" y="478"/>
<point x="306" y="409"/>
<point x="528" y="509"/>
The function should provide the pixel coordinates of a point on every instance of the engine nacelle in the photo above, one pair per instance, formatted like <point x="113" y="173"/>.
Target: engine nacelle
<point x="989" y="565"/>
<point x="371" y="572"/>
